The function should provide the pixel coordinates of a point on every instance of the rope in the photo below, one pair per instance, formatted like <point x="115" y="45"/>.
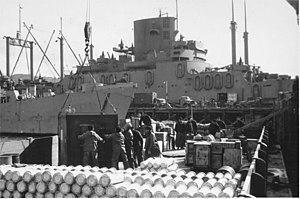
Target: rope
<point x="25" y="41"/>
<point x="44" y="54"/>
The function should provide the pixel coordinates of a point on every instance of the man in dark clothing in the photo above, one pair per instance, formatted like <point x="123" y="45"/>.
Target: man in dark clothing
<point x="238" y="123"/>
<point x="137" y="147"/>
<point x="118" y="148"/>
<point x="151" y="145"/>
<point x="129" y="144"/>
<point x="194" y="124"/>
<point x="146" y="119"/>
<point x="189" y="130"/>
<point x="221" y="123"/>
<point x="180" y="134"/>
<point x="90" y="144"/>
<point x="213" y="128"/>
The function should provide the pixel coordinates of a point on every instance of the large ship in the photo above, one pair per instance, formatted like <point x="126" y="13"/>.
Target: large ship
<point x="158" y="62"/>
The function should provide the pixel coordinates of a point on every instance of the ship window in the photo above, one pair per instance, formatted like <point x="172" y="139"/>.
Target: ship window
<point x="166" y="22"/>
<point x="166" y="35"/>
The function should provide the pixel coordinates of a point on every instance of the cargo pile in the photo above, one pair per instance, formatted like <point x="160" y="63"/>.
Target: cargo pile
<point x="158" y="177"/>
<point x="213" y="155"/>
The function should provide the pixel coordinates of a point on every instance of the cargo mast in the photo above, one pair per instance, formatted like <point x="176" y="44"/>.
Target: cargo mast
<point x="233" y="37"/>
<point x="246" y="37"/>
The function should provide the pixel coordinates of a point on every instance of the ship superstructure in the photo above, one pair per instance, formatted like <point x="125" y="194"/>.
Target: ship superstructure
<point x="158" y="62"/>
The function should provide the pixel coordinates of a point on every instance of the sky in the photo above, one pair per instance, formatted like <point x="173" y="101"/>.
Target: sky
<point x="272" y="26"/>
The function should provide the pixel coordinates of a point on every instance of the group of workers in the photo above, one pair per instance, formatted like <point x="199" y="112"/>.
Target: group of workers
<point x="128" y="142"/>
<point x="127" y="146"/>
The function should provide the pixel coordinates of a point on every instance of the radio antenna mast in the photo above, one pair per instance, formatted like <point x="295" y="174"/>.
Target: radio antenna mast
<point x="176" y="15"/>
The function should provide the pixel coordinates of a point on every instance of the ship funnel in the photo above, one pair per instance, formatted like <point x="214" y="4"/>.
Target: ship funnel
<point x="233" y="37"/>
<point x="246" y="37"/>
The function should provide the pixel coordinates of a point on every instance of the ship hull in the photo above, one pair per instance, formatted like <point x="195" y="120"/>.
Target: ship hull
<point x="41" y="115"/>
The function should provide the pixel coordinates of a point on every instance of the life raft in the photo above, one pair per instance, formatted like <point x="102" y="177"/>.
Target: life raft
<point x="208" y="82"/>
<point x="198" y="85"/>
<point x="149" y="78"/>
<point x="229" y="80"/>
<point x="218" y="84"/>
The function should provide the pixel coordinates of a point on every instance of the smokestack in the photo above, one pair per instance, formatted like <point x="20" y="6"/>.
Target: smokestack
<point x="246" y="37"/>
<point x="233" y="40"/>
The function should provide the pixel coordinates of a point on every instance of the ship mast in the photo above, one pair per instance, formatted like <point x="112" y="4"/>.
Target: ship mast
<point x="233" y="37"/>
<point x="19" y="31"/>
<point x="176" y="15"/>
<point x="246" y="37"/>
<point x="61" y="45"/>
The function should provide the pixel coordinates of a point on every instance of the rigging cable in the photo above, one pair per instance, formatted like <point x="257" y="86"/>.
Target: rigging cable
<point x="25" y="41"/>
<point x="44" y="54"/>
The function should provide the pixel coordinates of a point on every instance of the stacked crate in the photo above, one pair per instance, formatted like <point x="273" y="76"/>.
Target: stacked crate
<point x="227" y="152"/>
<point x="213" y="155"/>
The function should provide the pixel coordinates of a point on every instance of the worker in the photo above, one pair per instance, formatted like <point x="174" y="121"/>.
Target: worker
<point x="145" y="119"/>
<point x="138" y="143"/>
<point x="118" y="148"/>
<point x="238" y="123"/>
<point x="213" y="128"/>
<point x="129" y="144"/>
<point x="221" y="123"/>
<point x="90" y="146"/>
<point x="171" y="138"/>
<point x="194" y="124"/>
<point x="180" y="134"/>
<point x="189" y="130"/>
<point x="151" y="144"/>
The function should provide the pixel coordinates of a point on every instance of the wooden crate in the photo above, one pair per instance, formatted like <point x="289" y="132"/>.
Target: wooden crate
<point x="202" y="153"/>
<point x="216" y="160"/>
<point x="189" y="152"/>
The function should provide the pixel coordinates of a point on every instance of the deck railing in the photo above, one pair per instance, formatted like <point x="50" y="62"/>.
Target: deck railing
<point x="255" y="183"/>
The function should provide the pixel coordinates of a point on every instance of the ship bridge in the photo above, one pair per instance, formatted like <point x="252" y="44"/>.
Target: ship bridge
<point x="188" y="50"/>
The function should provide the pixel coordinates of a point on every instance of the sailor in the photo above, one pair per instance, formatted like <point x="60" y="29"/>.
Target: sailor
<point x="180" y="134"/>
<point x="118" y="148"/>
<point x="151" y="145"/>
<point x="138" y="143"/>
<point x="129" y="144"/>
<point x="189" y="130"/>
<point x="213" y="128"/>
<point x="145" y="119"/>
<point x="90" y="144"/>
<point x="221" y="123"/>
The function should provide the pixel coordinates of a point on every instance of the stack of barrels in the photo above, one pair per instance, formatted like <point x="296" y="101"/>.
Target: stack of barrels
<point x="159" y="177"/>
<point x="50" y="181"/>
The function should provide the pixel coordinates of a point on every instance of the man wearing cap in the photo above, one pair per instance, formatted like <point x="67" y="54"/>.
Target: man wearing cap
<point x="90" y="145"/>
<point x="118" y="148"/>
<point x="151" y="145"/>
<point x="129" y="143"/>
<point x="180" y="134"/>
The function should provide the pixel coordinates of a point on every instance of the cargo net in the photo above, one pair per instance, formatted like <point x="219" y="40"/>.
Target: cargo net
<point x="159" y="177"/>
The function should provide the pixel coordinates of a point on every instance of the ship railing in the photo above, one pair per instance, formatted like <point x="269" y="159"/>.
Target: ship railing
<point x="255" y="183"/>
